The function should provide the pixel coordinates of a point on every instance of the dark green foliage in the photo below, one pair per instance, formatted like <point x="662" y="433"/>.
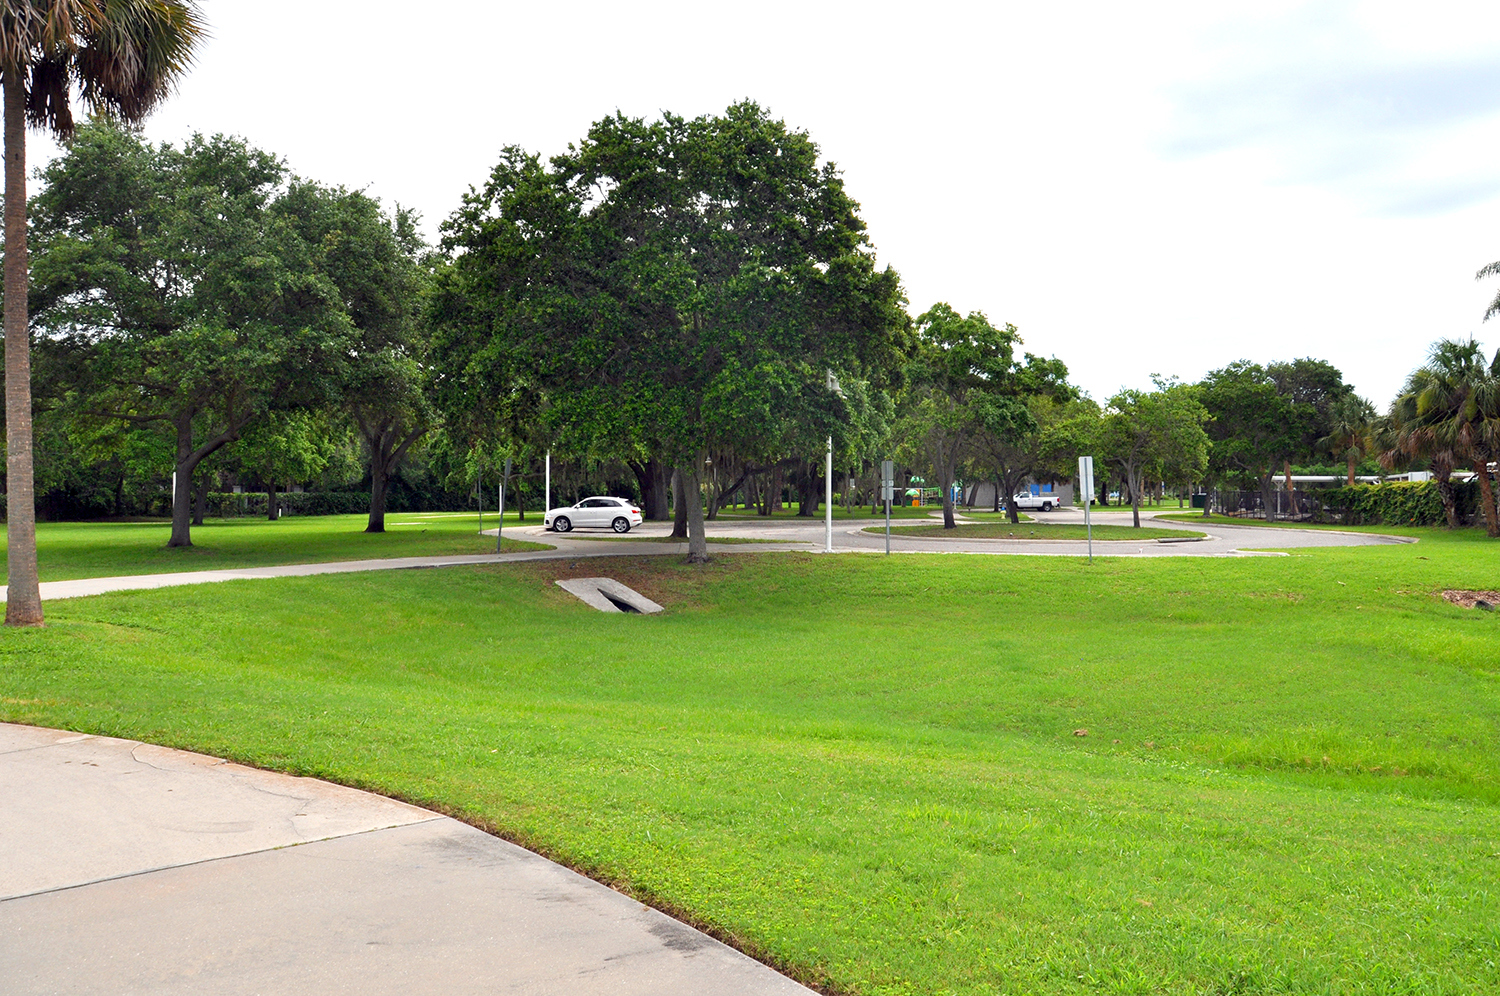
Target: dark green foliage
<point x="666" y="287"/>
<point x="1398" y="503"/>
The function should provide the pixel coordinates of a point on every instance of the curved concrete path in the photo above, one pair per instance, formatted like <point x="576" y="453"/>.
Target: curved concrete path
<point x="132" y="869"/>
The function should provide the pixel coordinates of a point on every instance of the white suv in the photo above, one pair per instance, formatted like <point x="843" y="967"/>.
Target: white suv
<point x="599" y="512"/>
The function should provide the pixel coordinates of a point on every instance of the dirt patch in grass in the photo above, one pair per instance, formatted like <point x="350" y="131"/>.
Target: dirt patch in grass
<point x="1467" y="599"/>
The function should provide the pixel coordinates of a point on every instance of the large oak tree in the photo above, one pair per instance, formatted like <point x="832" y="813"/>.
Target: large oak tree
<point x="631" y="294"/>
<point x="186" y="288"/>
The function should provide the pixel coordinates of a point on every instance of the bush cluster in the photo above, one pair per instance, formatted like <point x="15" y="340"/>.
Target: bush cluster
<point x="1398" y="503"/>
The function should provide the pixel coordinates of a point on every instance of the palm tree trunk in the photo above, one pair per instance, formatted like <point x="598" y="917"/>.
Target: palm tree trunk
<point x="23" y="601"/>
<point x="1351" y="466"/>
<point x="1487" y="497"/>
<point x="1447" y="497"/>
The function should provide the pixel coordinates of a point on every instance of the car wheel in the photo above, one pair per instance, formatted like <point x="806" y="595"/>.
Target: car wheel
<point x="562" y="524"/>
<point x="1046" y="506"/>
<point x="621" y="525"/>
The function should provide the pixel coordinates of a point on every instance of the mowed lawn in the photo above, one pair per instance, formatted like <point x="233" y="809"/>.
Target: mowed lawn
<point x="870" y="771"/>
<point x="67" y="550"/>
<point x="1039" y="530"/>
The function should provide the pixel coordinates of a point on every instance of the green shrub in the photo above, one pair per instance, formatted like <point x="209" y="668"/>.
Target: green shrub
<point x="1398" y="503"/>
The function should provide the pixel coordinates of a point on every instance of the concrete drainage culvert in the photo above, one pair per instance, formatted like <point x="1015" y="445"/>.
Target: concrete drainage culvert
<point x="609" y="595"/>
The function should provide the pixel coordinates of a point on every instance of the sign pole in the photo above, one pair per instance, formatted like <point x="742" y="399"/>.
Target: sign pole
<point x="547" y="496"/>
<point x="1086" y="485"/>
<point x="500" y="501"/>
<point x="887" y="483"/>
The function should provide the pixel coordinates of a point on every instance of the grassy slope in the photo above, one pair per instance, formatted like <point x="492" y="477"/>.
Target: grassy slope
<point x="1037" y="530"/>
<point x="865" y="768"/>
<point x="67" y="550"/>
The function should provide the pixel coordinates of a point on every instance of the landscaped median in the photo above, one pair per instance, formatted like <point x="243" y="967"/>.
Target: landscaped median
<point x="1035" y="531"/>
<point x="896" y="775"/>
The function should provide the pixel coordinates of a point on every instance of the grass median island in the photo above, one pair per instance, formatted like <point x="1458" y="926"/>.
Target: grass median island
<point x="865" y="769"/>
<point x="1036" y="530"/>
<point x="67" y="550"/>
<point x="712" y="540"/>
<point x="1234" y="520"/>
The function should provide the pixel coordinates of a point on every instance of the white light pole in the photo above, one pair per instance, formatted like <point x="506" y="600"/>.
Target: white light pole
<point x="547" y="497"/>
<point x="833" y="385"/>
<point x="500" y="504"/>
<point x="828" y="497"/>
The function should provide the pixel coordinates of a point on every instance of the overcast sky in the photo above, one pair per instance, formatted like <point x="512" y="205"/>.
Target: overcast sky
<point x="1139" y="187"/>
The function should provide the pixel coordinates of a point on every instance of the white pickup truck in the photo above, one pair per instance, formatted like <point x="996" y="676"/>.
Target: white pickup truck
<point x="1028" y="502"/>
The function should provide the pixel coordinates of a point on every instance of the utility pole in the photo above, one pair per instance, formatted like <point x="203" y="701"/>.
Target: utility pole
<point x="833" y="385"/>
<point x="500" y="501"/>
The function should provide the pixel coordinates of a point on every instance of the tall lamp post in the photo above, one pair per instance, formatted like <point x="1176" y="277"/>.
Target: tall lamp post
<point x="833" y="385"/>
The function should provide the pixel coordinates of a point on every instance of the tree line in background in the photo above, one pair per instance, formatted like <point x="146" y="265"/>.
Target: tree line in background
<point x="670" y="308"/>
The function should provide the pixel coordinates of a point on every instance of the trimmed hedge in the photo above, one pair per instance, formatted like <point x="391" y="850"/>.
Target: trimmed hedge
<point x="1399" y="503"/>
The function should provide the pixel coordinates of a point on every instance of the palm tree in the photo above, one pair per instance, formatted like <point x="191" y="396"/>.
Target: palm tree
<point x="123" y="57"/>
<point x="1402" y="438"/>
<point x="1452" y="404"/>
<point x="1350" y="421"/>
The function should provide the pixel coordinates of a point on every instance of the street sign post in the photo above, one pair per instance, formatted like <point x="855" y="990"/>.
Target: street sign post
<point x="500" y="502"/>
<point x="1086" y="486"/>
<point x="887" y="495"/>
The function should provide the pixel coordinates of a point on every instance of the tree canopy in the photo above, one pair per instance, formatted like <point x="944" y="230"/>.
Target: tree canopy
<point x="676" y="285"/>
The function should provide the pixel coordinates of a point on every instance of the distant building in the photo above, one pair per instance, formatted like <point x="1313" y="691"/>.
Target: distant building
<point x="982" y="493"/>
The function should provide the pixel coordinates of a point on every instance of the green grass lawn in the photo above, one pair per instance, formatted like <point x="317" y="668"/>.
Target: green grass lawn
<point x="714" y="540"/>
<point x="865" y="769"/>
<point x="980" y="516"/>
<point x="67" y="550"/>
<point x="1037" y="530"/>
<point x="1230" y="520"/>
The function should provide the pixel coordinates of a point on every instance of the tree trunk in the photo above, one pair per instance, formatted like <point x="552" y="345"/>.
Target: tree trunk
<point x="387" y="443"/>
<point x="689" y="498"/>
<point x="1487" y="497"/>
<point x="1446" y="496"/>
<point x="1268" y="495"/>
<point x="997" y="496"/>
<point x="23" y="600"/>
<point x="377" y="498"/>
<point x="1135" y="483"/>
<point x="1011" y="482"/>
<point x="273" y="506"/>
<point x="1351" y="467"/>
<point x="651" y="476"/>
<point x="809" y="494"/>
<point x="200" y="499"/>
<point x="188" y="460"/>
<point x="679" y="508"/>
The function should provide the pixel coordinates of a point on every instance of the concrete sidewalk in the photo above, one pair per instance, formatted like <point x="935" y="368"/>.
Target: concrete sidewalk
<point x="131" y="869"/>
